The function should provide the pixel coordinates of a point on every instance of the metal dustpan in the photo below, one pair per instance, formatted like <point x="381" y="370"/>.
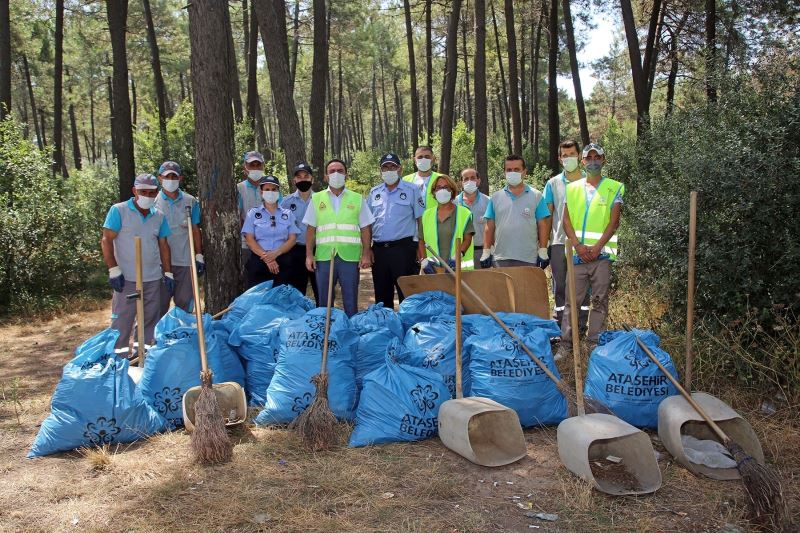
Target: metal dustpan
<point x="479" y="429"/>
<point x="230" y="397"/>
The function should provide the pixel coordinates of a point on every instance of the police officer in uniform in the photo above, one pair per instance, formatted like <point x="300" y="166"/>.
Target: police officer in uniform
<point x="476" y="202"/>
<point x="137" y="217"/>
<point x="297" y="203"/>
<point x="248" y="192"/>
<point x="172" y="202"/>
<point x="397" y="207"/>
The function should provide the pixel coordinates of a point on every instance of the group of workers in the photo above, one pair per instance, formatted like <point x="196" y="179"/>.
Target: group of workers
<point x="391" y="230"/>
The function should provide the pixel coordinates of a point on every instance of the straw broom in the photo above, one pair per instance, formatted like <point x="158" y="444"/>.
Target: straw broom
<point x="316" y="426"/>
<point x="209" y="441"/>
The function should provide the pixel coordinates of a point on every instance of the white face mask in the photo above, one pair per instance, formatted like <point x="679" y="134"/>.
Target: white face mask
<point x="170" y="185"/>
<point x="570" y="163"/>
<point x="336" y="180"/>
<point x="470" y="187"/>
<point x="390" y="177"/>
<point x="270" y="197"/>
<point x="145" y="202"/>
<point x="255" y="175"/>
<point x="443" y="196"/>
<point x="513" y="178"/>
<point x="424" y="164"/>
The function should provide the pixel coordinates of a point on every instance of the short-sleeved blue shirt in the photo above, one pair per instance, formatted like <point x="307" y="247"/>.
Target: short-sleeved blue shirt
<point x="114" y="219"/>
<point x="541" y="209"/>
<point x="396" y="211"/>
<point x="270" y="230"/>
<point x="295" y="203"/>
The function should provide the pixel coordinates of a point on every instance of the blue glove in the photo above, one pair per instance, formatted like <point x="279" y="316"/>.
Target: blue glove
<point x="428" y="264"/>
<point x="169" y="283"/>
<point x="542" y="263"/>
<point x="117" y="283"/>
<point x="487" y="263"/>
<point x="452" y="263"/>
<point x="200" y="263"/>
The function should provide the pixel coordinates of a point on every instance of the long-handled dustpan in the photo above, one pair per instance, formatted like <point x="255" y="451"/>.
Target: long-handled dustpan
<point x="479" y="429"/>
<point x="609" y="453"/>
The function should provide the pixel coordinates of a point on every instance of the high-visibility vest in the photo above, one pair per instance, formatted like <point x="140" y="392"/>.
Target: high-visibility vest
<point x="430" y="232"/>
<point x="430" y="199"/>
<point x="337" y="229"/>
<point x="590" y="221"/>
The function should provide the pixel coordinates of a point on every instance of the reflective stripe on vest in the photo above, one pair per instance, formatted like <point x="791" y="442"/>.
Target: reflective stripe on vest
<point x="590" y="221"/>
<point x="337" y="229"/>
<point x="430" y="232"/>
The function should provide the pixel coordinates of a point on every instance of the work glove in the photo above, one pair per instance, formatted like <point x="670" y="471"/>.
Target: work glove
<point x="116" y="279"/>
<point x="169" y="283"/>
<point x="452" y="263"/>
<point x="428" y="264"/>
<point x="486" y="258"/>
<point x="200" y="263"/>
<point x="543" y="258"/>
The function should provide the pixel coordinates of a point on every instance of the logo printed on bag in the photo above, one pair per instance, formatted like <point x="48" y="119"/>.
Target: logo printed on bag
<point x="301" y="403"/>
<point x="102" y="431"/>
<point x="424" y="397"/>
<point x="636" y="360"/>
<point x="101" y="361"/>
<point x="433" y="356"/>
<point x="168" y="400"/>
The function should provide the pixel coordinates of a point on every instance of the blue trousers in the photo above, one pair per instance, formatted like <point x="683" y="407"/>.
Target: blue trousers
<point x="347" y="274"/>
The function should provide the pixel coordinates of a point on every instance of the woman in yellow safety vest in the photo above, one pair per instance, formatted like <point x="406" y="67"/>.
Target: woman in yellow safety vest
<point x="443" y="223"/>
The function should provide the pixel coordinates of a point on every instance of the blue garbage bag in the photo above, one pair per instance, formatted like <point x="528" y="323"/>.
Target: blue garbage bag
<point x="174" y="318"/>
<point x="520" y="323"/>
<point x="432" y="345"/>
<point x="173" y="366"/>
<point x="423" y="306"/>
<point x="399" y="403"/>
<point x="300" y="354"/>
<point x="375" y="317"/>
<point x="500" y="369"/>
<point x="258" y="348"/>
<point x="622" y="376"/>
<point x="96" y="402"/>
<point x="377" y="326"/>
<point x="281" y="301"/>
<point x="242" y="304"/>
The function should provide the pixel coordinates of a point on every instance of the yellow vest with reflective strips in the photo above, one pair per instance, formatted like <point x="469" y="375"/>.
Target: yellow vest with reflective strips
<point x="430" y="232"/>
<point x="430" y="199"/>
<point x="590" y="221"/>
<point x="337" y="229"/>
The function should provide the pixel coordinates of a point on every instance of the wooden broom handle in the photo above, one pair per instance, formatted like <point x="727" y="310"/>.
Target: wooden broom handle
<point x="687" y="377"/>
<point x="459" y="382"/>
<point x="573" y="317"/>
<point x="198" y="312"/>
<point x="324" y="365"/>
<point x="137" y="245"/>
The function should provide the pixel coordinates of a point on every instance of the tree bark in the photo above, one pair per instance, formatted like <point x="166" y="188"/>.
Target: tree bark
<point x="122" y="138"/>
<point x="5" y="60"/>
<point x="43" y="127"/>
<point x="319" y="73"/>
<point x="233" y="68"/>
<point x="76" y="144"/>
<point x="295" y="42"/>
<point x="467" y="95"/>
<point x="711" y="50"/>
<point x="208" y="36"/>
<point x="504" y="111"/>
<point x="59" y="163"/>
<point x="110" y="93"/>
<point x="253" y="104"/>
<point x="134" y="101"/>
<point x="513" y="79"/>
<point x="91" y="119"/>
<point x="535" y="132"/>
<point x="523" y="80"/>
<point x="451" y="61"/>
<point x="27" y="71"/>
<point x="479" y="78"/>
<point x="553" y="126"/>
<point x="575" y="68"/>
<point x="638" y="71"/>
<point x="412" y="74"/>
<point x="429" y="68"/>
<point x="158" y="78"/>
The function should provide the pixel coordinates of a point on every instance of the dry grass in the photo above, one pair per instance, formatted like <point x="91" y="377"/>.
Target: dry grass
<point x="99" y="458"/>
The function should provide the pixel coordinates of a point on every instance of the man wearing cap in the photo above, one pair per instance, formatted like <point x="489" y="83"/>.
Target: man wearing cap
<point x="297" y="203"/>
<point x="338" y="219"/>
<point x="476" y="202"/>
<point x="248" y="192"/>
<point x="591" y="220"/>
<point x="517" y="220"/>
<point x="173" y="204"/>
<point x="397" y="207"/>
<point x="424" y="177"/>
<point x="126" y="220"/>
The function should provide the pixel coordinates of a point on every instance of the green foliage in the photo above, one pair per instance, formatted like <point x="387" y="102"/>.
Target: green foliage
<point x="363" y="172"/>
<point x="180" y="144"/>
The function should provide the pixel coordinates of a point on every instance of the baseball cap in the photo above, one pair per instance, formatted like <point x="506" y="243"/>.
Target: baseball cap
<point x="269" y="179"/>
<point x="302" y="166"/>
<point x="390" y="158"/>
<point x="249" y="157"/>
<point x="592" y="146"/>
<point x="145" y="181"/>
<point x="169" y="167"/>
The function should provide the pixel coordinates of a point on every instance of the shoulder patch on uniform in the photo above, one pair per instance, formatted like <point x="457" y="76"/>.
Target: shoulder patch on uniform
<point x="293" y="206"/>
<point x="258" y="215"/>
<point x="403" y="195"/>
<point x="284" y="216"/>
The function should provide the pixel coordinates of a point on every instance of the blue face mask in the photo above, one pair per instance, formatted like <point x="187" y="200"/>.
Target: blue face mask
<point x="594" y="167"/>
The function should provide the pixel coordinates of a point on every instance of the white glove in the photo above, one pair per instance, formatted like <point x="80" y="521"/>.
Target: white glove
<point x="199" y="258"/>
<point x="114" y="272"/>
<point x="486" y="253"/>
<point x="543" y="255"/>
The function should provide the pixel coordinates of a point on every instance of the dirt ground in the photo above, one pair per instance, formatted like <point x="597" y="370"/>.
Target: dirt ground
<point x="272" y="484"/>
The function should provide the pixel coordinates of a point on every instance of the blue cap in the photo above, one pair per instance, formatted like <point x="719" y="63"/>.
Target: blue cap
<point x="302" y="166"/>
<point x="390" y="158"/>
<point x="169" y="167"/>
<point x="145" y="181"/>
<point x="249" y="157"/>
<point x="593" y="146"/>
<point x="269" y="179"/>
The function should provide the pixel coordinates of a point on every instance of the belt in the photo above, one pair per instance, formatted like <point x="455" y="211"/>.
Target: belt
<point x="477" y="247"/>
<point x="405" y="241"/>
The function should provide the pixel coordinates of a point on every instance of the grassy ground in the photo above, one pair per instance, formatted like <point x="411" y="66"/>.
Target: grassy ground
<point x="272" y="484"/>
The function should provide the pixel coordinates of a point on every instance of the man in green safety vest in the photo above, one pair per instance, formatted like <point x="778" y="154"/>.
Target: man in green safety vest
<point x="339" y="219"/>
<point x="424" y="178"/>
<point x="591" y="219"/>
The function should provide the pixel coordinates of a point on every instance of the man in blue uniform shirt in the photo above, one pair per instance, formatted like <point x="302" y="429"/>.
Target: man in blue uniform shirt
<point x="297" y="203"/>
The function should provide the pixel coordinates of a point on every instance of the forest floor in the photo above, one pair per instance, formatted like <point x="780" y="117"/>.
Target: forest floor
<point x="272" y="484"/>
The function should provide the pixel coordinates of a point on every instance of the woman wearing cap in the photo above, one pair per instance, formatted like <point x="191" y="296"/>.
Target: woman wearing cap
<point x="443" y="223"/>
<point x="270" y="232"/>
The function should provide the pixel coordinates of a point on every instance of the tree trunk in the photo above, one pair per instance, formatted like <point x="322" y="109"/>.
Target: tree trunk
<point x="246" y="34"/>
<point x="134" y="101"/>
<point x="553" y="125"/>
<point x="271" y="15"/>
<point x="5" y="59"/>
<point x="319" y="74"/>
<point x="479" y="77"/>
<point x="27" y="71"/>
<point x="386" y="128"/>
<point x="513" y="79"/>
<point x="638" y="72"/>
<point x="233" y="68"/>
<point x="576" y="77"/>
<point x="295" y="42"/>
<point x="451" y="60"/>
<point x="76" y="144"/>
<point x="183" y="86"/>
<point x="110" y="92"/>
<point x="535" y="132"/>
<point x="468" y="96"/>
<point x="429" y="69"/>
<point x="504" y="111"/>
<point x="91" y="120"/>
<point x="43" y="127"/>
<point x="158" y="79"/>
<point x="398" y="118"/>
<point x="523" y="80"/>
<point x="59" y="164"/>
<point x="122" y="138"/>
<point x="340" y="126"/>
<point x="651" y="48"/>
<point x="253" y="105"/>
<point x="412" y="74"/>
<point x="210" y="54"/>
<point x="711" y="50"/>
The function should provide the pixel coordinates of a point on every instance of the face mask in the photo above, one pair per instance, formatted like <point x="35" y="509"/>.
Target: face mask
<point x="513" y="178"/>
<point x="303" y="186"/>
<point x="594" y="167"/>
<point x="470" y="187"/>
<point x="336" y="180"/>
<point x="570" y="163"/>
<point x="443" y="196"/>
<point x="255" y="175"/>
<point x="145" y="202"/>
<point x="390" y="177"/>
<point x="423" y="164"/>
<point x="170" y="185"/>
<point x="270" y="197"/>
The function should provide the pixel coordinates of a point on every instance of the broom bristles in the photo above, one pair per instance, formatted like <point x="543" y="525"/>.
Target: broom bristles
<point x="209" y="441"/>
<point x="316" y="426"/>
<point x="767" y="506"/>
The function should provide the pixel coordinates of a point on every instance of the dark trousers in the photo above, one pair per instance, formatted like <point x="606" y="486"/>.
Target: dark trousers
<point x="258" y="272"/>
<point x="300" y="276"/>
<point x="390" y="261"/>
